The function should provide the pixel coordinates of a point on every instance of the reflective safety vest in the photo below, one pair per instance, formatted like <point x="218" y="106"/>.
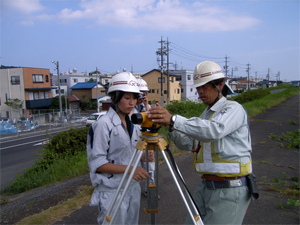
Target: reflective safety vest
<point x="208" y="162"/>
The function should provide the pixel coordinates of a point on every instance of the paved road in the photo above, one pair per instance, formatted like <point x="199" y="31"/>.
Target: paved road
<point x="18" y="151"/>
<point x="271" y="162"/>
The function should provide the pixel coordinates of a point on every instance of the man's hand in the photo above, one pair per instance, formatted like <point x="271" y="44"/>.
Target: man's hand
<point x="158" y="114"/>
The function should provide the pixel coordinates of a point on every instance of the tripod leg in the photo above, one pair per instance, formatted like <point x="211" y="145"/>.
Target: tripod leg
<point x="137" y="156"/>
<point x="196" y="219"/>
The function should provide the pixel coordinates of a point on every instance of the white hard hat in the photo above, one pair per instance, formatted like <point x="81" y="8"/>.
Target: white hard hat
<point x="123" y="82"/>
<point x="142" y="84"/>
<point x="205" y="72"/>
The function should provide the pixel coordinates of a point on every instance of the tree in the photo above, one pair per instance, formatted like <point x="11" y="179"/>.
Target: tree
<point x="15" y="104"/>
<point x="55" y="103"/>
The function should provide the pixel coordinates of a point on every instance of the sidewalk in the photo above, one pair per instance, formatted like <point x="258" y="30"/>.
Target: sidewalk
<point x="271" y="163"/>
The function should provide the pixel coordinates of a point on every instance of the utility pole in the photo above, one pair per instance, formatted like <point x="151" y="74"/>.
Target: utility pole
<point x="59" y="92"/>
<point x="268" y="76"/>
<point x="235" y="69"/>
<point x="161" y="71"/>
<point x="168" y="73"/>
<point x="226" y="66"/>
<point x="248" y="71"/>
<point x="97" y="89"/>
<point x="255" y="77"/>
<point x="66" y="105"/>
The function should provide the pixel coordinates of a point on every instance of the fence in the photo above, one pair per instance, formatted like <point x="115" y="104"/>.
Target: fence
<point x="51" y="118"/>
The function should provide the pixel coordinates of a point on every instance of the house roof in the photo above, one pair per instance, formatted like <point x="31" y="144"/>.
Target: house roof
<point x="73" y="98"/>
<point x="84" y="85"/>
<point x="245" y="81"/>
<point x="165" y="73"/>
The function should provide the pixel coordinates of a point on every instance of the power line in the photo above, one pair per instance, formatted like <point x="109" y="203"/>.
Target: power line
<point x="188" y="52"/>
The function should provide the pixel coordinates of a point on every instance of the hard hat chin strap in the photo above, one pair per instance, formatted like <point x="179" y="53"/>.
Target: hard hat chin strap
<point x="119" y="110"/>
<point x="219" y="94"/>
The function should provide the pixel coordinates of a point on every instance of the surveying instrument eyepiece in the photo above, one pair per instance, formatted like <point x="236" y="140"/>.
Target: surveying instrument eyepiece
<point x="151" y="140"/>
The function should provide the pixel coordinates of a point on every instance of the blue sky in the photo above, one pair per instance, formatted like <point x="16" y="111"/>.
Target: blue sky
<point x="116" y="34"/>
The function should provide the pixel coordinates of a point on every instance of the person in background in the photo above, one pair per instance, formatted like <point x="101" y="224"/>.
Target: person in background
<point x="221" y="142"/>
<point x="143" y="106"/>
<point x="111" y="143"/>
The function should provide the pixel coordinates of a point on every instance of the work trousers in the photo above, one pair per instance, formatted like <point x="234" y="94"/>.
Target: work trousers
<point x="129" y="210"/>
<point x="222" y="205"/>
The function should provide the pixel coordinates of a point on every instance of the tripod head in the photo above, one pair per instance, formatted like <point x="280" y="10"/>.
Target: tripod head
<point x="146" y="124"/>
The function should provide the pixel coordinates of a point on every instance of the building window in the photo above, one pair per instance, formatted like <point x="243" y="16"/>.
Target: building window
<point x="37" y="78"/>
<point x="63" y="81"/>
<point x="15" y="80"/>
<point x="165" y="92"/>
<point x="75" y="80"/>
<point x="47" y="78"/>
<point x="36" y="95"/>
<point x="178" y="91"/>
<point x="62" y="91"/>
<point x="33" y="95"/>
<point x="157" y="91"/>
<point x="46" y="94"/>
<point x="191" y="89"/>
<point x="189" y="77"/>
<point x="42" y="94"/>
<point x="182" y="90"/>
<point x="159" y="80"/>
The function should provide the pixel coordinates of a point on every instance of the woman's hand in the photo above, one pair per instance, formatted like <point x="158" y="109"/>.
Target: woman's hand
<point x="140" y="174"/>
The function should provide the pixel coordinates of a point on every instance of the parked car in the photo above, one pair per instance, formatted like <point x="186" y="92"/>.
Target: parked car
<point x="94" y="117"/>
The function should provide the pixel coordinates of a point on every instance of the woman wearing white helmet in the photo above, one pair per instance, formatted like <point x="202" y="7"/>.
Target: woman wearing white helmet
<point x="222" y="142"/>
<point x="110" y="145"/>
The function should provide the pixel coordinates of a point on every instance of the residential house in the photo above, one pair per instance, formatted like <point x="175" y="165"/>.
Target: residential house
<point x="30" y="85"/>
<point x="74" y="102"/>
<point x="87" y="91"/>
<point x="186" y="82"/>
<point x="153" y="79"/>
<point x="242" y="84"/>
<point x="69" y="80"/>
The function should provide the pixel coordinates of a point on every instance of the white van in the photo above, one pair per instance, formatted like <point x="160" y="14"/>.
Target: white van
<point x="94" y="117"/>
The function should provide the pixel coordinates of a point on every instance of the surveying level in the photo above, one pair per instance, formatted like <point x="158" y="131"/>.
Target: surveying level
<point x="151" y="140"/>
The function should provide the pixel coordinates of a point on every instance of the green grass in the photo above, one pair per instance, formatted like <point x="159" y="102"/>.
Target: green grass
<point x="73" y="166"/>
<point x="61" y="169"/>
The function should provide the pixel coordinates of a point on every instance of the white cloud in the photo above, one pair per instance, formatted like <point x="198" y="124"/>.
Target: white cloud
<point x="173" y="15"/>
<point x="24" y="6"/>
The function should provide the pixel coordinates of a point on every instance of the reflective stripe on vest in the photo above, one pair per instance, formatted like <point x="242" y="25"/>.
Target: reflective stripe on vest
<point x="208" y="162"/>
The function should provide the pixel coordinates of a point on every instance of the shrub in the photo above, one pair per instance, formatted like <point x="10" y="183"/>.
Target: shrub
<point x="251" y="95"/>
<point x="186" y="108"/>
<point x="66" y="143"/>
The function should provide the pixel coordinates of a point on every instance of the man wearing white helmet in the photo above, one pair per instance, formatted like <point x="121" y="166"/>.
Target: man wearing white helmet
<point x="222" y="142"/>
<point x="111" y="143"/>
